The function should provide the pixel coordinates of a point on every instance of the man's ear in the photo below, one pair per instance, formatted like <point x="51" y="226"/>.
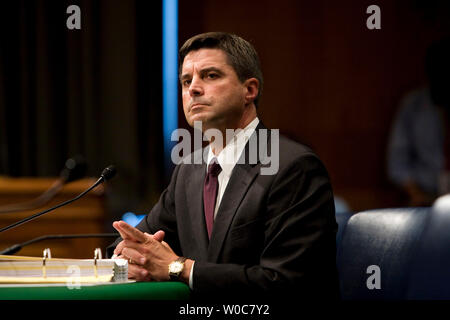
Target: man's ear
<point x="252" y="88"/>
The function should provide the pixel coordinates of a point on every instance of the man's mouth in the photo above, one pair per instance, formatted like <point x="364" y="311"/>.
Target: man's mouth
<point x="197" y="106"/>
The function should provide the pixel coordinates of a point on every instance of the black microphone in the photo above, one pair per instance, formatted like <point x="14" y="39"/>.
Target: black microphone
<point x="17" y="247"/>
<point x="107" y="174"/>
<point x="74" y="169"/>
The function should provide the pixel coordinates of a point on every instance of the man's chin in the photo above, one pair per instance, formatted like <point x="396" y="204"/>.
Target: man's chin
<point x="199" y="118"/>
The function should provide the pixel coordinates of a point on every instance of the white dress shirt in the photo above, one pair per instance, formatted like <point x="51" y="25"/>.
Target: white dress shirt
<point x="227" y="159"/>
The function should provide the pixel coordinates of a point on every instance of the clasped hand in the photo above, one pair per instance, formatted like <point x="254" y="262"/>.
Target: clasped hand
<point x="148" y="255"/>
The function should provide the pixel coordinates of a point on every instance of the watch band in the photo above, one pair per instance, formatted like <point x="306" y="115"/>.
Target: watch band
<point x="181" y="259"/>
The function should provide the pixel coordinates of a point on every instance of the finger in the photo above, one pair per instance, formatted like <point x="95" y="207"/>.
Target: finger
<point x="119" y="248"/>
<point x="134" y="255"/>
<point x="116" y="226"/>
<point x="131" y="232"/>
<point x="124" y="232"/>
<point x="140" y="247"/>
<point x="159" y="235"/>
<point x="138" y="273"/>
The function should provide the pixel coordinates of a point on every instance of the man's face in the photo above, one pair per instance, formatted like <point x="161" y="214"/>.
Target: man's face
<point x="211" y="90"/>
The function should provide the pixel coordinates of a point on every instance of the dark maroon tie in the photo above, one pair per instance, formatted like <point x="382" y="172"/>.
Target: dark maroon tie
<point x="210" y="193"/>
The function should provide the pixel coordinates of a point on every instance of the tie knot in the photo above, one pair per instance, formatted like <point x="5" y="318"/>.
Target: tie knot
<point x="214" y="168"/>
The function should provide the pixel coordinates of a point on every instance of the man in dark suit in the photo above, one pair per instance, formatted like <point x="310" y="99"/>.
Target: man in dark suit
<point x="224" y="225"/>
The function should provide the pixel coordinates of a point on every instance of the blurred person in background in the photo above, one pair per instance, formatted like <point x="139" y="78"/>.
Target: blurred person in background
<point x="419" y="144"/>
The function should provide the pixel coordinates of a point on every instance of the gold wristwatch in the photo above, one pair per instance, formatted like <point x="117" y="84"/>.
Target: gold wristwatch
<point x="175" y="268"/>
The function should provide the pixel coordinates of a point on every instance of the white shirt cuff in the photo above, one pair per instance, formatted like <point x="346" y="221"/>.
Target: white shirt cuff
<point x="191" y="277"/>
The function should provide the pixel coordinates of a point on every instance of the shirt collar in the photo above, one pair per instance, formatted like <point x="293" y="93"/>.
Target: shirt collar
<point x="229" y="155"/>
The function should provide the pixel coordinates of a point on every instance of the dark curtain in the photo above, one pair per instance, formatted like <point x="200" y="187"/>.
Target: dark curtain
<point x="95" y="92"/>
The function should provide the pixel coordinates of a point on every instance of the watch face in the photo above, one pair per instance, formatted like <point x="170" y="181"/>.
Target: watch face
<point x="176" y="267"/>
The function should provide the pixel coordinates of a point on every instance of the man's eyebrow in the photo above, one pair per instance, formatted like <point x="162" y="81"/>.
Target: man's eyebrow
<point x="203" y="71"/>
<point x="184" y="76"/>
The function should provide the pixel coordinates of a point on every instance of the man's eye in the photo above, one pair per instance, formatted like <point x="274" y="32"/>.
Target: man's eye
<point x="186" y="82"/>
<point x="212" y="75"/>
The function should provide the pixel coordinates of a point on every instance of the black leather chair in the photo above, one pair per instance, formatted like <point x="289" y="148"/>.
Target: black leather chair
<point x="342" y="218"/>
<point x="385" y="238"/>
<point x="430" y="271"/>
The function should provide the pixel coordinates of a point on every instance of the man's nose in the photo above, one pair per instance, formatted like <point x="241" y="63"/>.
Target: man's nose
<point x="196" y="87"/>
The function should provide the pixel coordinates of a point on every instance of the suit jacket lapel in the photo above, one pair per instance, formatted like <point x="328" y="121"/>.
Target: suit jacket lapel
<point x="242" y="177"/>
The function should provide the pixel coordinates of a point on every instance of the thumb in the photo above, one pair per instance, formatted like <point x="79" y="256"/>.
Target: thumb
<point x="158" y="236"/>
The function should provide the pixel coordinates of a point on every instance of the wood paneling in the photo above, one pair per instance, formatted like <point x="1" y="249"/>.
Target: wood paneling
<point x="330" y="82"/>
<point x="86" y="215"/>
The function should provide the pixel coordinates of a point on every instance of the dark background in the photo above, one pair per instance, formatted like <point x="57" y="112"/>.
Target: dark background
<point x="330" y="83"/>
